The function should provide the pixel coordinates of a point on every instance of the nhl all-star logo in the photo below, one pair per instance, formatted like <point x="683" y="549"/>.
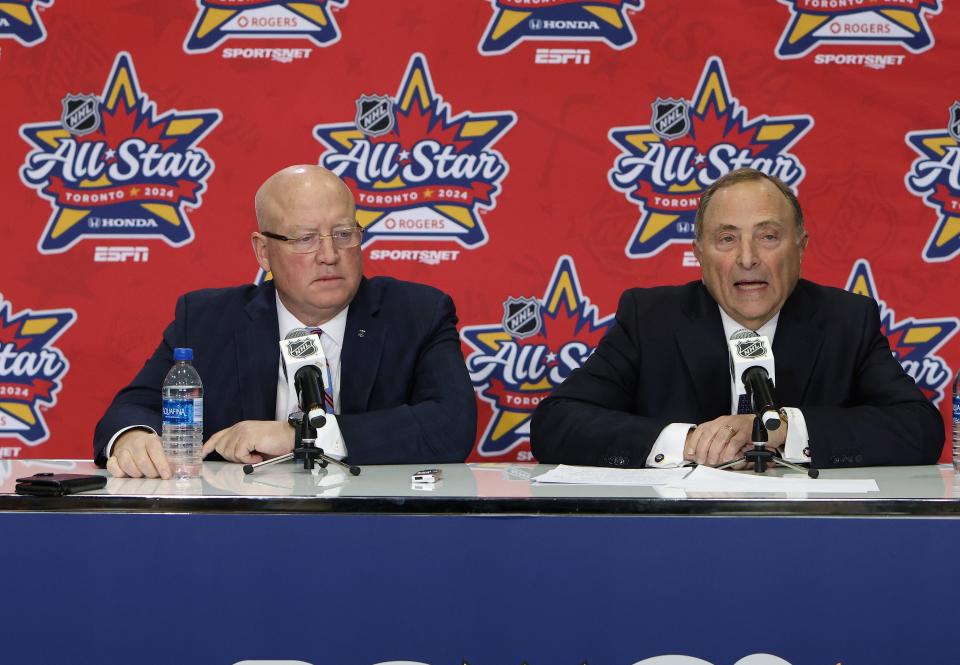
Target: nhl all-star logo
<point x="935" y="177"/>
<point x="663" y="167"/>
<point x="19" y="20"/>
<point x="514" y="372"/>
<point x="112" y="168"/>
<point x="81" y="114"/>
<point x="914" y="342"/>
<point x="521" y="317"/>
<point x="218" y="20"/>
<point x="815" y="22"/>
<point x="671" y="118"/>
<point x="31" y="369"/>
<point x="515" y="21"/>
<point x="428" y="174"/>
<point x="374" y="115"/>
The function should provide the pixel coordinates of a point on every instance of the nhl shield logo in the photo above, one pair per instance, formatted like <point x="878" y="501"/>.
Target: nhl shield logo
<point x="521" y="317"/>
<point x="954" y="125"/>
<point x="374" y="115"/>
<point x="80" y="114"/>
<point x="671" y="118"/>
<point x="751" y="348"/>
<point x="301" y="347"/>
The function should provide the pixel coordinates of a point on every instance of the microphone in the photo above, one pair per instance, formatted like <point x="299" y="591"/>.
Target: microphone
<point x="752" y="368"/>
<point x="303" y="359"/>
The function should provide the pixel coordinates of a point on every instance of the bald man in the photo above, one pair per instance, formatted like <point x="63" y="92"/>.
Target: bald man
<point x="400" y="388"/>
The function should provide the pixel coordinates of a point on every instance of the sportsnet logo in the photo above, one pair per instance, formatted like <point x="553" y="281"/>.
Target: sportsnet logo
<point x="913" y="342"/>
<point x="514" y="21"/>
<point x="665" y="165"/>
<point x="218" y="20"/>
<point x="31" y="369"/>
<point x="518" y="362"/>
<point x="417" y="173"/>
<point x="112" y="169"/>
<point x="861" y="22"/>
<point x="935" y="177"/>
<point x="19" y="20"/>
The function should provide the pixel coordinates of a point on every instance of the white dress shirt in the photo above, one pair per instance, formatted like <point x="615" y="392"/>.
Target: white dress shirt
<point x="670" y="442"/>
<point x="328" y="437"/>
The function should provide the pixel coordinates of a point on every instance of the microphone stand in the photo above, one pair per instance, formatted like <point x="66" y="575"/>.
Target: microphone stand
<point x="761" y="456"/>
<point x="306" y="450"/>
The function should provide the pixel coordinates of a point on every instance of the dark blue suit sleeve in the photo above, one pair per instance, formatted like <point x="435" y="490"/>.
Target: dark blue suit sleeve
<point x="436" y="420"/>
<point x="594" y="418"/>
<point x="883" y="418"/>
<point x="139" y="402"/>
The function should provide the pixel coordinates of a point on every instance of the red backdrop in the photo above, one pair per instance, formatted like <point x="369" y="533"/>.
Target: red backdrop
<point x="532" y="158"/>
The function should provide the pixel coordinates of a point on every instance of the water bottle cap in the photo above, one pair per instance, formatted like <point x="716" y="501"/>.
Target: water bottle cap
<point x="181" y="353"/>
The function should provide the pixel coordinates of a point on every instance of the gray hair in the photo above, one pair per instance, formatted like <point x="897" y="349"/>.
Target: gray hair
<point x="747" y="175"/>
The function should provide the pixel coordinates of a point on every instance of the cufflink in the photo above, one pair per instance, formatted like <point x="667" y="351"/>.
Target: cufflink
<point x="783" y="416"/>
<point x="658" y="458"/>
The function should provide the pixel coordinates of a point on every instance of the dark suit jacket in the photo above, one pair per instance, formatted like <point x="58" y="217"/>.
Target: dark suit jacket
<point x="405" y="393"/>
<point x="666" y="361"/>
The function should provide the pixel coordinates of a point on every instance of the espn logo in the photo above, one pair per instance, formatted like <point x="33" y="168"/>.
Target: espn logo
<point x="690" y="260"/>
<point x="562" y="56"/>
<point x="119" y="254"/>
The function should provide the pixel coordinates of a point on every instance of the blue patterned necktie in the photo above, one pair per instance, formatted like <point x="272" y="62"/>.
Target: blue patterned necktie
<point x="328" y="381"/>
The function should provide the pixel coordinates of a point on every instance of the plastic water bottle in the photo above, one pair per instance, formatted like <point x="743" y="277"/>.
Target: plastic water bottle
<point x="956" y="422"/>
<point x="182" y="431"/>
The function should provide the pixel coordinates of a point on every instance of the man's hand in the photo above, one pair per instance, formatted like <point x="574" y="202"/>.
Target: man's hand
<point x="726" y="438"/>
<point x="249" y="440"/>
<point x="138" y="453"/>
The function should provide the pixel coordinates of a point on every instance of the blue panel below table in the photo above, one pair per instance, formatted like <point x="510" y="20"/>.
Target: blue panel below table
<point x="447" y="590"/>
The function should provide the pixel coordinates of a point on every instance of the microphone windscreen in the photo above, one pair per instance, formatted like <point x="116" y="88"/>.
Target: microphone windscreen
<point x="298" y="332"/>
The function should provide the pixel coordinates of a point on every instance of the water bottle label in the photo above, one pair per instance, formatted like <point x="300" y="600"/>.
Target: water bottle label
<point x="179" y="411"/>
<point x="198" y="411"/>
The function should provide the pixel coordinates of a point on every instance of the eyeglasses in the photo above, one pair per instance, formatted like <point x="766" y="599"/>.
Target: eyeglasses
<point x="344" y="237"/>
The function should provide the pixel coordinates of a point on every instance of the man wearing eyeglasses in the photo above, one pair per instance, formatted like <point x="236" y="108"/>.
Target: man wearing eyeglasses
<point x="400" y="389"/>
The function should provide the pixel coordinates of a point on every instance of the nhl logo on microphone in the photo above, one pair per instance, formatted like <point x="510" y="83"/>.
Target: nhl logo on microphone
<point x="751" y="348"/>
<point x="301" y="347"/>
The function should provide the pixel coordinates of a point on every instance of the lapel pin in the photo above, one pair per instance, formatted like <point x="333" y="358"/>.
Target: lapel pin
<point x="361" y="332"/>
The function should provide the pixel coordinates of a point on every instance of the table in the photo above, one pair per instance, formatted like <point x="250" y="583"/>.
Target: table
<point x="484" y="568"/>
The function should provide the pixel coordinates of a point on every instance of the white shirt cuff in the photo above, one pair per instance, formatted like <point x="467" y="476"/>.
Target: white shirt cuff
<point x="797" y="446"/>
<point x="113" y="439"/>
<point x="330" y="439"/>
<point x="667" y="450"/>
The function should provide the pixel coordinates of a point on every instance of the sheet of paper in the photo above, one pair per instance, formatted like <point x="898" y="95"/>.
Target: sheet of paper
<point x="706" y="479"/>
<point x="597" y="475"/>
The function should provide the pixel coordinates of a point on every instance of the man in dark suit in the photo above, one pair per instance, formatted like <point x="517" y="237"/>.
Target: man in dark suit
<point x="658" y="391"/>
<point x="401" y="390"/>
